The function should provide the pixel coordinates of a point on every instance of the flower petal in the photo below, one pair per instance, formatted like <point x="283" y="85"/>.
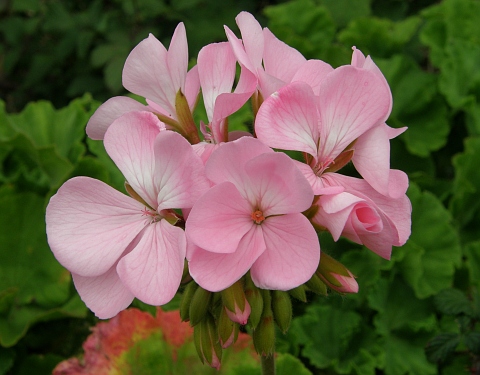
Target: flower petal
<point x="292" y="253"/>
<point x="219" y="219"/>
<point x="153" y="269"/>
<point x="288" y="119"/>
<point x="277" y="185"/>
<point x="90" y="224"/>
<point x="179" y="173"/>
<point x="252" y="37"/>
<point x="129" y="142"/>
<point x="105" y="295"/>
<point x="351" y="101"/>
<point x="313" y="72"/>
<point x="216" y="272"/>
<point x="108" y="112"/>
<point x="227" y="163"/>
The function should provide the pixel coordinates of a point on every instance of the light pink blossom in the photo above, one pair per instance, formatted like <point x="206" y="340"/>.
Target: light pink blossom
<point x="118" y="247"/>
<point x="251" y="220"/>
<point x="363" y="215"/>
<point x="351" y="101"/>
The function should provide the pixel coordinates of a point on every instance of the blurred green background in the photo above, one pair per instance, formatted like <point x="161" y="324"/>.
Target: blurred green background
<point x="415" y="314"/>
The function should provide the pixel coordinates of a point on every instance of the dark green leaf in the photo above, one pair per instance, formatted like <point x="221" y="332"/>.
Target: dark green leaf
<point x="441" y="346"/>
<point x="472" y="342"/>
<point x="453" y="302"/>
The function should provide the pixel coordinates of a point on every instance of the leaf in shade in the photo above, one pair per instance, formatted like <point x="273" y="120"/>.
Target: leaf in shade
<point x="441" y="346"/>
<point x="472" y="342"/>
<point x="453" y="302"/>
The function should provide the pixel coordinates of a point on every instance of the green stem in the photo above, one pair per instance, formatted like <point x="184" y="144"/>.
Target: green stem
<point x="268" y="364"/>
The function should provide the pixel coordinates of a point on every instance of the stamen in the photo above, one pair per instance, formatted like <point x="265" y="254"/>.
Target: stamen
<point x="258" y="217"/>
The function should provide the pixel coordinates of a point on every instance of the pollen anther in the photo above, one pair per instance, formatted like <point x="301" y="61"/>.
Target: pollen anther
<point x="257" y="217"/>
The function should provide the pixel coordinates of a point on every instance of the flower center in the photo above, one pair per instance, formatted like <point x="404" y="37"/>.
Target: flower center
<point x="257" y="217"/>
<point x="153" y="214"/>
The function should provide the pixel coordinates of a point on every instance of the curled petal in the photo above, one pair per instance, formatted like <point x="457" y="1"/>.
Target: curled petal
<point x="152" y="271"/>
<point x="90" y="224"/>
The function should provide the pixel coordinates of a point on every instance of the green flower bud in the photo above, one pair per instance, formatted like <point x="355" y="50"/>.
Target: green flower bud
<point x="185" y="118"/>
<point x="264" y="334"/>
<point x="255" y="300"/>
<point x="299" y="293"/>
<point x="282" y="309"/>
<point x="205" y="337"/>
<point x="336" y="275"/>
<point x="227" y="330"/>
<point x="187" y="300"/>
<point x="234" y="300"/>
<point x="316" y="285"/>
<point x="199" y="305"/>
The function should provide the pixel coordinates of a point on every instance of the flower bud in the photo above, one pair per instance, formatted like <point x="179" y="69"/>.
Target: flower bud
<point x="336" y="275"/>
<point x="255" y="300"/>
<point x="282" y="309"/>
<point x="227" y="329"/>
<point x="299" y="293"/>
<point x="206" y="341"/>
<point x="199" y="305"/>
<point x="187" y="300"/>
<point x="316" y="285"/>
<point x="236" y="304"/>
<point x="264" y="334"/>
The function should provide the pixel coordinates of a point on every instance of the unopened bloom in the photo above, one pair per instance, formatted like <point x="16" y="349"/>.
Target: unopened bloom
<point x="118" y="247"/>
<point x="251" y="220"/>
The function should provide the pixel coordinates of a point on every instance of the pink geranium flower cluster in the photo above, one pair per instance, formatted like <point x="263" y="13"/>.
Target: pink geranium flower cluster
<point x="220" y="204"/>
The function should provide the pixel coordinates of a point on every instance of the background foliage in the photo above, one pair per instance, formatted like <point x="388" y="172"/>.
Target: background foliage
<point x="416" y="314"/>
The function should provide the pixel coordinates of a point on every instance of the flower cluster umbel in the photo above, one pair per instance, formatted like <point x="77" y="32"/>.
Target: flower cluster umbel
<point x="223" y="208"/>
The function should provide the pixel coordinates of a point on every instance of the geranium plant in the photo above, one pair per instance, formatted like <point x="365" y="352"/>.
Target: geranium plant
<point x="226" y="216"/>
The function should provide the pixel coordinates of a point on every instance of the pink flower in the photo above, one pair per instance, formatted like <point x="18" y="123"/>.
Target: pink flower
<point x="351" y="101"/>
<point x="363" y="215"/>
<point x="251" y="220"/>
<point x="156" y="74"/>
<point x="118" y="247"/>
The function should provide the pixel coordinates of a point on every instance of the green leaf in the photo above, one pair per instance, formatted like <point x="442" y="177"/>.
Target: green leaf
<point x="472" y="252"/>
<point x="453" y="302"/>
<point x="441" y="346"/>
<point x="429" y="257"/>
<point x="302" y="25"/>
<point x="340" y="339"/>
<point x="379" y="36"/>
<point x="344" y="11"/>
<point x="287" y="364"/>
<point x="472" y="342"/>
<point x="405" y="354"/>
<point x="466" y="184"/>
<point x="7" y="357"/>
<point x="398" y="308"/>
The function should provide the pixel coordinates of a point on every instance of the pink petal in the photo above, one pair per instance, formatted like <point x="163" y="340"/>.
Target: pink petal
<point x="129" y="142"/>
<point x="280" y="60"/>
<point x="216" y="272"/>
<point x="105" y="295"/>
<point x="153" y="269"/>
<point x="90" y="224"/>
<point x="292" y="254"/>
<point x="351" y="102"/>
<point x="397" y="183"/>
<point x="179" y="173"/>
<point x="288" y="119"/>
<point x="277" y="185"/>
<point x="216" y="69"/>
<point x="372" y="158"/>
<point x="313" y="72"/>
<point x="219" y="219"/>
<point x="334" y="211"/>
<point x="146" y="73"/>
<point x="358" y="58"/>
<point x="252" y="37"/>
<point x="227" y="163"/>
<point x="268" y="84"/>
<point x="239" y="51"/>
<point x="108" y="112"/>
<point x="394" y="132"/>
<point x="177" y="58"/>
<point x="192" y="87"/>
